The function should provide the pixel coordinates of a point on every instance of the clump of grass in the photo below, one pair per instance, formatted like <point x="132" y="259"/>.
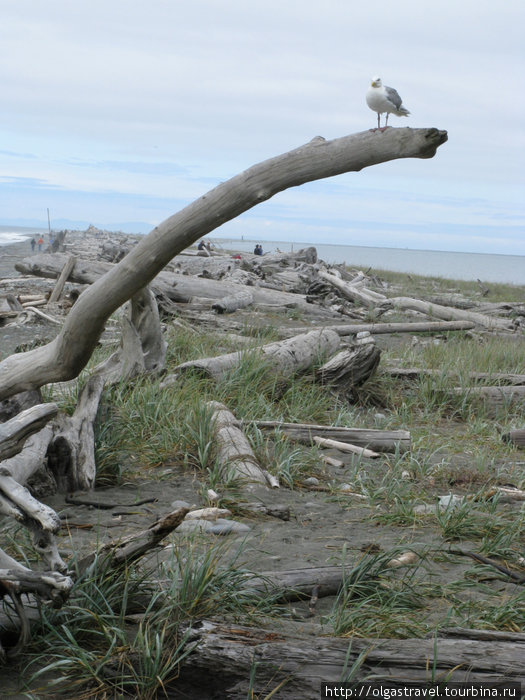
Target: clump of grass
<point x="375" y="602"/>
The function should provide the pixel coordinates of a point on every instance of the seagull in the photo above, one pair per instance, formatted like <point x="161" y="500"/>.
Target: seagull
<point x="381" y="99"/>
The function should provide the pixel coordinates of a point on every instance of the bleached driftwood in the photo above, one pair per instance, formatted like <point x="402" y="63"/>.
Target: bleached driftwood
<point x="447" y="313"/>
<point x="345" y="447"/>
<point x="380" y="328"/>
<point x="286" y="356"/>
<point x="376" y="440"/>
<point x="71" y="455"/>
<point x="353" y="291"/>
<point x="14" y="432"/>
<point x="494" y="397"/>
<point x="234" y="452"/>
<point x="69" y="352"/>
<point x="62" y="279"/>
<point x="231" y="303"/>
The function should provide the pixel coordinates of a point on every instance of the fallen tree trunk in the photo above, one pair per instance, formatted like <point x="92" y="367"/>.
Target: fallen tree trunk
<point x="376" y="440"/>
<point x="237" y="659"/>
<point x="234" y="452"/>
<point x="69" y="352"/>
<point x="494" y="397"/>
<point x="231" y="303"/>
<point x="286" y="356"/>
<point x="380" y="328"/>
<point x="447" y="313"/>
<point x="416" y="372"/>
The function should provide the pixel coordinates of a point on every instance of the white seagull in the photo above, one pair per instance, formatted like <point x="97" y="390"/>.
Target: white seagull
<point x="381" y="99"/>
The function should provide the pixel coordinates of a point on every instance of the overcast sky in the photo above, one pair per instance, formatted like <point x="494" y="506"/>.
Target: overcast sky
<point x="125" y="110"/>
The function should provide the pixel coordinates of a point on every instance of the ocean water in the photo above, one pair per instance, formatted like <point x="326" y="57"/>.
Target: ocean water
<point x="508" y="269"/>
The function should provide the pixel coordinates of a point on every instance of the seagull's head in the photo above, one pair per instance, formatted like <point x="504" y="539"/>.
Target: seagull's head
<point x="376" y="82"/>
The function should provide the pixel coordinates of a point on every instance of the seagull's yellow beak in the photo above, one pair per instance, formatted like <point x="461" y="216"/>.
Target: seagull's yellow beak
<point x="374" y="83"/>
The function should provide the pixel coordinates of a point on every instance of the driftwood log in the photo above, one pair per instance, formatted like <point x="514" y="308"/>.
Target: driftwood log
<point x="381" y="328"/>
<point x="290" y="667"/>
<point x="376" y="440"/>
<point x="285" y="356"/>
<point x="14" y="432"/>
<point x="69" y="352"/>
<point x="234" y="452"/>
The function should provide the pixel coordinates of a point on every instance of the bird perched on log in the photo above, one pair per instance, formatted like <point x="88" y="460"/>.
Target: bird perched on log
<point x="381" y="99"/>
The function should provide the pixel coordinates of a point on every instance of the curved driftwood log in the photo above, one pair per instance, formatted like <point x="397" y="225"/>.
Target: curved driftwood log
<point x="69" y="352"/>
<point x="14" y="432"/>
<point x="350" y="368"/>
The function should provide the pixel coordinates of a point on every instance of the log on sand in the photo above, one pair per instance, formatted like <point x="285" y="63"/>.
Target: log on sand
<point x="381" y="328"/>
<point x="376" y="440"/>
<point x="234" y="452"/>
<point x="238" y="659"/>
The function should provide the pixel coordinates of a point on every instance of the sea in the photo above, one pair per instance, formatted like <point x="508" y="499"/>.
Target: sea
<point x="507" y="269"/>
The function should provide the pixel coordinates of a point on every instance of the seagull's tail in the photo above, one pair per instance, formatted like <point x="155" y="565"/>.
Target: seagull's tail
<point x="402" y="112"/>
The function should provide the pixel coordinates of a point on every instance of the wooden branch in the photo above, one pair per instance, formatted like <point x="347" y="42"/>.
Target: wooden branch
<point x="15" y="432"/>
<point x="380" y="328"/>
<point x="352" y="291"/>
<point x="69" y="352"/>
<point x="136" y="545"/>
<point x="62" y="279"/>
<point x="345" y="447"/>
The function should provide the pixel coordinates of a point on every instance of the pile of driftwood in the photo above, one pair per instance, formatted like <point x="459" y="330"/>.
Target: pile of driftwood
<point x="152" y="278"/>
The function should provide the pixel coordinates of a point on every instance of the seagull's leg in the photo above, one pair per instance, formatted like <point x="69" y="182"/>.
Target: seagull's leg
<point x="386" y="122"/>
<point x="378" y="120"/>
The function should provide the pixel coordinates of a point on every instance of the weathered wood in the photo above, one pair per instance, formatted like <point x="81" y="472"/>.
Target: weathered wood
<point x="416" y="372"/>
<point x="380" y="328"/>
<point x="234" y="452"/>
<point x="286" y="356"/>
<point x="15" y="431"/>
<point x="136" y="545"/>
<point x="351" y="291"/>
<point x="231" y="303"/>
<point x="349" y="368"/>
<point x="345" y="447"/>
<point x="62" y="279"/>
<point x="299" y="665"/>
<point x="517" y="437"/>
<point x="376" y="440"/>
<point x="494" y="397"/>
<point x="71" y="454"/>
<point x="447" y="313"/>
<point x="69" y="352"/>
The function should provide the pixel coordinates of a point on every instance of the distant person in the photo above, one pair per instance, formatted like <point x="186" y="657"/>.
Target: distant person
<point x="40" y="243"/>
<point x="209" y="246"/>
<point x="201" y="246"/>
<point x="33" y="244"/>
<point x="258" y="250"/>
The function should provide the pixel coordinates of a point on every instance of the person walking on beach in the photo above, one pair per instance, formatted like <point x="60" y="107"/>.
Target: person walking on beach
<point x="40" y="244"/>
<point x="33" y="244"/>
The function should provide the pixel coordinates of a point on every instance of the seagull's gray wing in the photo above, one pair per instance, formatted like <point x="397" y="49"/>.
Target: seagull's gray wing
<point x="393" y="97"/>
